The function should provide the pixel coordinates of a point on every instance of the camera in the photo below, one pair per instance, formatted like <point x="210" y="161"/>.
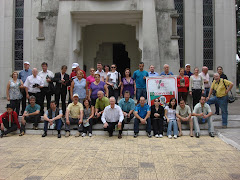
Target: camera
<point x="35" y="85"/>
<point x="214" y="92"/>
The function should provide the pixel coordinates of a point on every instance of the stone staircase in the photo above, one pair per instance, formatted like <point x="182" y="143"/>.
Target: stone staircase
<point x="128" y="128"/>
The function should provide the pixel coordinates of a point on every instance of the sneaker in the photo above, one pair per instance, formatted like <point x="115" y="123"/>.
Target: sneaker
<point x="156" y="136"/>
<point x="59" y="135"/>
<point x="170" y="136"/>
<point x="67" y="134"/>
<point x="119" y="136"/>
<point x="160" y="135"/>
<point x="211" y="134"/>
<point x="45" y="134"/>
<point x="21" y="134"/>
<point x="77" y="134"/>
<point x="90" y="134"/>
<point x="149" y="135"/>
<point x="1" y="135"/>
<point x="175" y="136"/>
<point x="135" y="135"/>
<point x="83" y="135"/>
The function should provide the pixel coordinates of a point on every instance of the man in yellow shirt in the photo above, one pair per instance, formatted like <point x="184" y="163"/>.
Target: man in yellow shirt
<point x="74" y="115"/>
<point x="220" y="88"/>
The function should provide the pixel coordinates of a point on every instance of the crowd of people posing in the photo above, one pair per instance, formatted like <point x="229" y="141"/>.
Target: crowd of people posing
<point x="94" y="99"/>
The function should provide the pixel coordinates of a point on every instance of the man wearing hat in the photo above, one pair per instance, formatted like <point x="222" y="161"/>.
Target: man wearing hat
<point x="23" y="76"/>
<point x="9" y="120"/>
<point x="187" y="71"/>
<point x="74" y="115"/>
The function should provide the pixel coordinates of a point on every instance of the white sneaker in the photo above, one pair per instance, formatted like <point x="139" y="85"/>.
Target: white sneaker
<point x="83" y="134"/>
<point x="90" y="134"/>
<point x="156" y="136"/>
<point x="175" y="136"/>
<point x="170" y="136"/>
<point x="160" y="135"/>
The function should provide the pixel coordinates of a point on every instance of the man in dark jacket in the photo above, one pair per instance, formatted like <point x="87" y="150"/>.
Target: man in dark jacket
<point x="62" y="81"/>
<point x="9" y="120"/>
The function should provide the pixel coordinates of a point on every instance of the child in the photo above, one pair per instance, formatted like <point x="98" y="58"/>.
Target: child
<point x="170" y="115"/>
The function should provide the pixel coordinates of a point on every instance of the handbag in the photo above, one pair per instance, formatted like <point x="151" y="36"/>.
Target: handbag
<point x="231" y="98"/>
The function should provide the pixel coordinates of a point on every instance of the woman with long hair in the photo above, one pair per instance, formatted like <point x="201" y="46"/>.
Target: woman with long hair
<point x="128" y="84"/>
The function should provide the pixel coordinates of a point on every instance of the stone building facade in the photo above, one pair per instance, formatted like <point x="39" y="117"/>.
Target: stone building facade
<point x="124" y="32"/>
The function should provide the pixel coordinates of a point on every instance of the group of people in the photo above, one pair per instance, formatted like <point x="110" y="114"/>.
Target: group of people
<point x="94" y="99"/>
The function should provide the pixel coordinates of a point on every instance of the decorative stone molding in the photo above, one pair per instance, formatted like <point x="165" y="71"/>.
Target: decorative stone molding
<point x="174" y="26"/>
<point x="41" y="16"/>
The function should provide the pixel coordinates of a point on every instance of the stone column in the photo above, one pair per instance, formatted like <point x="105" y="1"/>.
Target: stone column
<point x="193" y="33"/>
<point x="168" y="46"/>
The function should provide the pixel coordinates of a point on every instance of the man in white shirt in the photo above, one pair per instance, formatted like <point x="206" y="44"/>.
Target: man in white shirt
<point x="47" y="89"/>
<point x="32" y="85"/>
<point x="112" y="118"/>
<point x="100" y="71"/>
<point x="202" y="113"/>
<point x="205" y="77"/>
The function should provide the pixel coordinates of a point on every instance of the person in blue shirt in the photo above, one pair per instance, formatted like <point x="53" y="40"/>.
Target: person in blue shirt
<point x="140" y="78"/>
<point x="23" y="76"/>
<point x="166" y="70"/>
<point x="152" y="73"/>
<point x="187" y="71"/>
<point x="127" y="105"/>
<point x="142" y="115"/>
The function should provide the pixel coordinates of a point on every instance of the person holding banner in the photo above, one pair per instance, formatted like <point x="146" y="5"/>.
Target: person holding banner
<point x="166" y="70"/>
<point x="170" y="115"/>
<point x="157" y="113"/>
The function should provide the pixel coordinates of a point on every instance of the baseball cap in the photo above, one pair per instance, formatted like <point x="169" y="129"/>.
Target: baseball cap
<point x="26" y="62"/>
<point x="187" y="65"/>
<point x="74" y="65"/>
<point x="75" y="95"/>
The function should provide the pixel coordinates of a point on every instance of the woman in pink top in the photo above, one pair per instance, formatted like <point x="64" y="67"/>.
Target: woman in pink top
<point x="90" y="78"/>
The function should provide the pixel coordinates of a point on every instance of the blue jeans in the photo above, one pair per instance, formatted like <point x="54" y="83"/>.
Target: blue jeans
<point x="141" y="92"/>
<point x="206" y="92"/>
<point x="58" y="125"/>
<point x="136" y="125"/>
<point x="223" y="104"/>
<point x="172" y="122"/>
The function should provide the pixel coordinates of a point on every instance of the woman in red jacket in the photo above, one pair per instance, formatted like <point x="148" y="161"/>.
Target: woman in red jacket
<point x="182" y="84"/>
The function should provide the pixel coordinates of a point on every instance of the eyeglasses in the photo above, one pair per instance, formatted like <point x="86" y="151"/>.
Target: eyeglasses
<point x="113" y="67"/>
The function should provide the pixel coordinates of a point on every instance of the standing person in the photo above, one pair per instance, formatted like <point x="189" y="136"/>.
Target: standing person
<point x="170" y="115"/>
<point x="202" y="113"/>
<point x="183" y="85"/>
<point x="114" y="82"/>
<point x="157" y="113"/>
<point x="152" y="72"/>
<point x="74" y="115"/>
<point x="9" y="120"/>
<point x="33" y="85"/>
<point x="96" y="86"/>
<point x="206" y="79"/>
<point x="221" y="88"/>
<point x="90" y="78"/>
<point x="183" y="113"/>
<point x="113" y="116"/>
<point x="23" y="76"/>
<point x="88" y="113"/>
<point x="128" y="84"/>
<point x="53" y="116"/>
<point x="187" y="71"/>
<point x="31" y="114"/>
<point x="14" y="94"/>
<point x="223" y="76"/>
<point x="127" y="105"/>
<point x="196" y="86"/>
<point x="106" y="70"/>
<point x="142" y="115"/>
<point x="140" y="79"/>
<point x="46" y="90"/>
<point x="100" y="71"/>
<point x="79" y="86"/>
<point x="62" y="81"/>
<point x="166" y="71"/>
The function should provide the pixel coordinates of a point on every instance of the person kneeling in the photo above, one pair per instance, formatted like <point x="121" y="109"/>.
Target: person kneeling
<point x="31" y="114"/>
<point x="9" y="120"/>
<point x="112" y="118"/>
<point x="202" y="113"/>
<point x="53" y="116"/>
<point x="74" y="115"/>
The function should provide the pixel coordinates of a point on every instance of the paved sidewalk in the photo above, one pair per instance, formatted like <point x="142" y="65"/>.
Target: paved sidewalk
<point x="32" y="157"/>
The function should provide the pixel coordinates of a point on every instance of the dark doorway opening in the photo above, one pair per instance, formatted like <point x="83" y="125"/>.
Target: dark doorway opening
<point x="120" y="58"/>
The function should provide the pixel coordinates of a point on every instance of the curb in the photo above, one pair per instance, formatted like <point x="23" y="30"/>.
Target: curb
<point x="229" y="141"/>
